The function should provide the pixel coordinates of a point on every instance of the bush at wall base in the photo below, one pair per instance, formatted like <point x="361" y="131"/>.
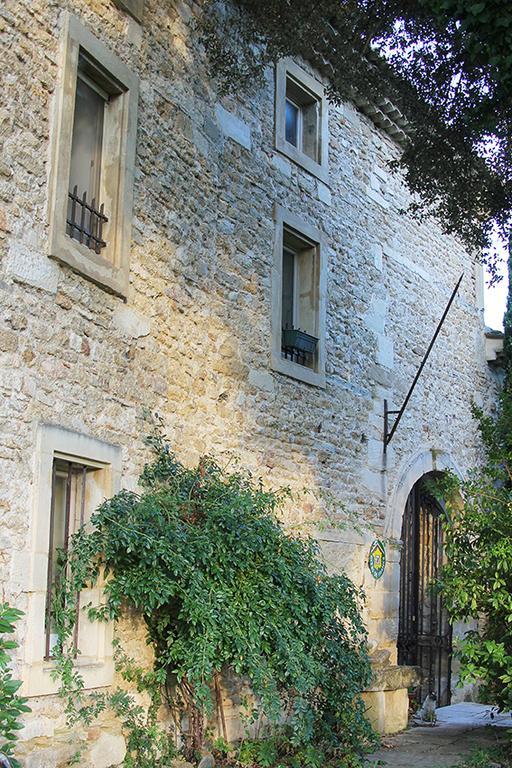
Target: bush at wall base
<point x="11" y="704"/>
<point x="200" y="554"/>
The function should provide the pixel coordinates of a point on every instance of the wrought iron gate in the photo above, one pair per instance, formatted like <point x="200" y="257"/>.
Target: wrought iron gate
<point x="424" y="633"/>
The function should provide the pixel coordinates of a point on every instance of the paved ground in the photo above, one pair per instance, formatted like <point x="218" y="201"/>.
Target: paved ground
<point x="460" y="729"/>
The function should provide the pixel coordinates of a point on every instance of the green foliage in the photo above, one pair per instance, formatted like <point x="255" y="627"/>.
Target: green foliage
<point x="200" y="555"/>
<point x="446" y="65"/>
<point x="11" y="704"/>
<point x="499" y="755"/>
<point x="148" y="743"/>
<point x="477" y="579"/>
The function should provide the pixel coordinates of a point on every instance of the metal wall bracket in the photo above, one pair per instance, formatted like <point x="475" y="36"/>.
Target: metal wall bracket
<point x="388" y="433"/>
<point x="387" y="414"/>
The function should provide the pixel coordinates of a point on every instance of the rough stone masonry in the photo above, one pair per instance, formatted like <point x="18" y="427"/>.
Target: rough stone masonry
<point x="192" y="341"/>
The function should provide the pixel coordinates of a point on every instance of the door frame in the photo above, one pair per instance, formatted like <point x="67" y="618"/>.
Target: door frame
<point x="424" y="632"/>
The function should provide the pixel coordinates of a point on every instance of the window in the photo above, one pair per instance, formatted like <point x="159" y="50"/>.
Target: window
<point x="298" y="312"/>
<point x="72" y="493"/>
<point x="93" y="142"/>
<point x="299" y="283"/>
<point x="74" y="474"/>
<point x="301" y="119"/>
<point x="86" y="217"/>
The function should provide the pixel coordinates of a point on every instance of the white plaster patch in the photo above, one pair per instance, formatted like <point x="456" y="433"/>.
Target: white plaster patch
<point x="32" y="267"/>
<point x="232" y="127"/>
<point x="134" y="33"/>
<point x="131" y="322"/>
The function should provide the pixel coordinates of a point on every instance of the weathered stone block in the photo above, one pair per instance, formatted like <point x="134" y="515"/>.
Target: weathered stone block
<point x="282" y="164"/>
<point x="130" y="322"/>
<point x="324" y="193"/>
<point x="134" y="7"/>
<point x="261" y="380"/>
<point x="232" y="127"/>
<point x="108" y="750"/>
<point x="385" y="351"/>
<point x="394" y="678"/>
<point x="387" y="710"/>
<point x="32" y="267"/>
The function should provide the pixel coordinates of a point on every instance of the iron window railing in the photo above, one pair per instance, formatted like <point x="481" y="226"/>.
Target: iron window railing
<point x="85" y="221"/>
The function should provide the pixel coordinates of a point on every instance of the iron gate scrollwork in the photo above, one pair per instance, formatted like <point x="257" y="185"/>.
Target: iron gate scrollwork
<point x="424" y="631"/>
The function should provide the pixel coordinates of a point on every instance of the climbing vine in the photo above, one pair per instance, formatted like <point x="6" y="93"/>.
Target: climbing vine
<point x="200" y="555"/>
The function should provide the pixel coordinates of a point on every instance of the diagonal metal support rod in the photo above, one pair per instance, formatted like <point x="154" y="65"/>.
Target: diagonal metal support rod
<point x="388" y="434"/>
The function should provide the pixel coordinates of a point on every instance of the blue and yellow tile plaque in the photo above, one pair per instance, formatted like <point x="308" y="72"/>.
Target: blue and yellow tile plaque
<point x="377" y="559"/>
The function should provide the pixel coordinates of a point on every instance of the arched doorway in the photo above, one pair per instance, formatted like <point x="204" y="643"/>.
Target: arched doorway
<point x="424" y="632"/>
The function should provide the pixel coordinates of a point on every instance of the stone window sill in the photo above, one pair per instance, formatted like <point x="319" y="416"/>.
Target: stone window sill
<point x="299" y="372"/>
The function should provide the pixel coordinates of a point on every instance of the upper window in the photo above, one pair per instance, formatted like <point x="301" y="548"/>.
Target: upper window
<point x="93" y="158"/>
<point x="299" y="304"/>
<point x="298" y="312"/>
<point x="86" y="215"/>
<point x="301" y="118"/>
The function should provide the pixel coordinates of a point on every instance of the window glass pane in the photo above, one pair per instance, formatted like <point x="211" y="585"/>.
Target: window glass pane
<point x="310" y="132"/>
<point x="59" y="515"/>
<point x="292" y="123"/>
<point x="57" y="543"/>
<point x="288" y="288"/>
<point x="87" y="140"/>
<point x="67" y="513"/>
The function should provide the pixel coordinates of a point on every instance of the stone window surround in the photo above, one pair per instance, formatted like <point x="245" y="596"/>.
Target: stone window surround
<point x="111" y="268"/>
<point x="134" y="7"/>
<point x="283" y="218"/>
<point x="54" y="441"/>
<point x="284" y="69"/>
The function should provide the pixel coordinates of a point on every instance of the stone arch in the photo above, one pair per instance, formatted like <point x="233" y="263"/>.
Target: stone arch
<point x="423" y="462"/>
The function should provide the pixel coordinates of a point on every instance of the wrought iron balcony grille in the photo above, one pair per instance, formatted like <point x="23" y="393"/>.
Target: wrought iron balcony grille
<point x="85" y="222"/>
<point x="297" y="355"/>
<point x="298" y="346"/>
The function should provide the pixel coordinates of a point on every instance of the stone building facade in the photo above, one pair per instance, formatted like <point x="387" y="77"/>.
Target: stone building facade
<point x="180" y="313"/>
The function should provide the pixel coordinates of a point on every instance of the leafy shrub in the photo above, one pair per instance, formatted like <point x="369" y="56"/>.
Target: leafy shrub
<point x="477" y="579"/>
<point x="201" y="556"/>
<point x="11" y="704"/>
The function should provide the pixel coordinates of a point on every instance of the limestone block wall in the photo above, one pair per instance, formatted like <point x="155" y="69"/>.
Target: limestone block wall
<point x="193" y="340"/>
